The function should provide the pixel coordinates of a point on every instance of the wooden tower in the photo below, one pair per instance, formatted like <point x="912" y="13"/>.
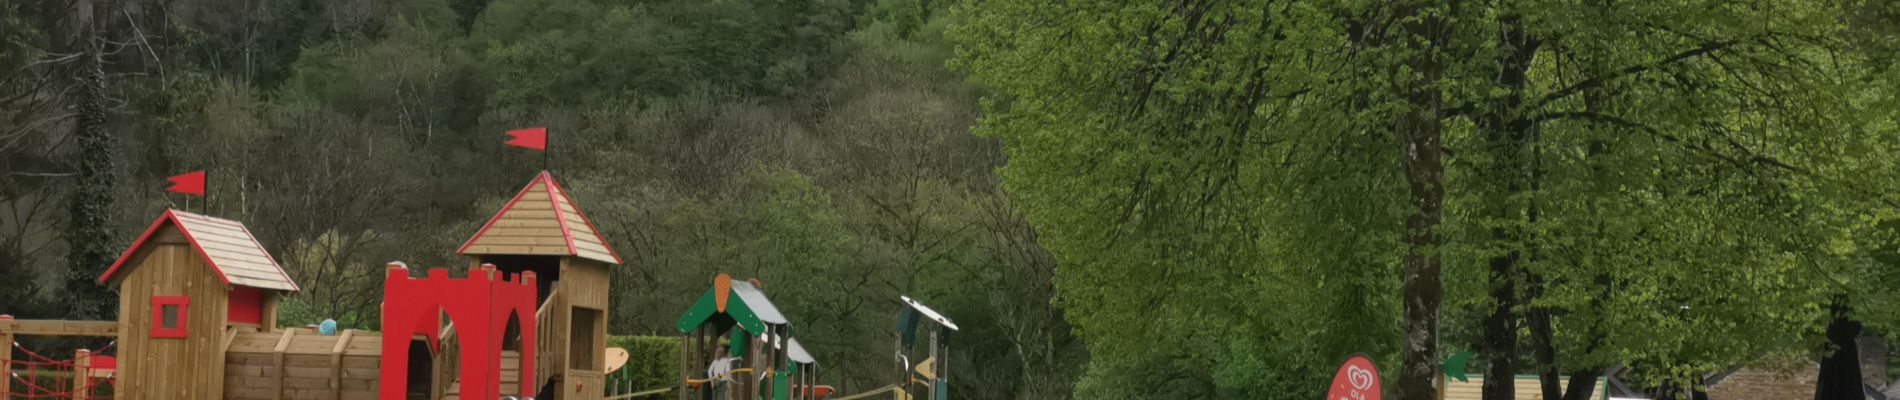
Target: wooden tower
<point x="544" y="231"/>
<point x="185" y="285"/>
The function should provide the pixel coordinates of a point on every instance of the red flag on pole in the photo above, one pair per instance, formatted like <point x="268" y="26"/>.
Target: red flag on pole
<point x="531" y="138"/>
<point x="192" y="183"/>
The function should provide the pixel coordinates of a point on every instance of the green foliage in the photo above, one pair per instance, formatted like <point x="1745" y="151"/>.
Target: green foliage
<point x="1668" y="192"/>
<point x="572" y="52"/>
<point x="1182" y="190"/>
<point x="653" y="361"/>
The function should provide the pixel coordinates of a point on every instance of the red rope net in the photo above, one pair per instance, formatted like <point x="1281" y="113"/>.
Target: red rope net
<point x="41" y="377"/>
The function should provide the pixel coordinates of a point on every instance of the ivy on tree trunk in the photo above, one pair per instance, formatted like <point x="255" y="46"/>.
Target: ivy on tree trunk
<point x="89" y="239"/>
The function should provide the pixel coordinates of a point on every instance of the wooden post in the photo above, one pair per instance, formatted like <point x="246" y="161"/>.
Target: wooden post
<point x="687" y="345"/>
<point x="277" y="364"/>
<point x="6" y="356"/>
<point x="336" y="363"/>
<point x="268" y="323"/>
<point x="1443" y="384"/>
<point x="82" y="363"/>
<point x="438" y="375"/>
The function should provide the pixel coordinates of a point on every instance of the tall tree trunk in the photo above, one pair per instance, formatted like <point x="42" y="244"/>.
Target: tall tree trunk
<point x="89" y="237"/>
<point x="1544" y="349"/>
<point x="1500" y="328"/>
<point x="1583" y="383"/>
<point x="1840" y="377"/>
<point x="1420" y="130"/>
<point x="1508" y="137"/>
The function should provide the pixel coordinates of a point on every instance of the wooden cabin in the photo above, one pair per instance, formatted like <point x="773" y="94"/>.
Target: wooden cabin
<point x="543" y="230"/>
<point x="184" y="286"/>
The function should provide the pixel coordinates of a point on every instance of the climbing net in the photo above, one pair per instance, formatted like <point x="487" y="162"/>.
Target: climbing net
<point x="40" y="377"/>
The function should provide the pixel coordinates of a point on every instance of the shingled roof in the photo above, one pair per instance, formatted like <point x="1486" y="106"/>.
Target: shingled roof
<point x="227" y="246"/>
<point x="541" y="220"/>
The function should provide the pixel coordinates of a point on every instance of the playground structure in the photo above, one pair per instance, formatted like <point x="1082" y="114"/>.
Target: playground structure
<point x="736" y="321"/>
<point x="752" y="330"/>
<point x="199" y="298"/>
<point x="930" y="376"/>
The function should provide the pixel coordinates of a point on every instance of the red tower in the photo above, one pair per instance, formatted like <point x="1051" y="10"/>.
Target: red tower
<point x="479" y="306"/>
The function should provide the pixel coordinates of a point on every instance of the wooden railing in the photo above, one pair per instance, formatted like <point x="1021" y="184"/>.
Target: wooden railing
<point x="447" y="365"/>
<point x="10" y="327"/>
<point x="58" y="328"/>
<point x="550" y="348"/>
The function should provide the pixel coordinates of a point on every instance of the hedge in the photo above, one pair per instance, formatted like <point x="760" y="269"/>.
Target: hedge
<point x="653" y="362"/>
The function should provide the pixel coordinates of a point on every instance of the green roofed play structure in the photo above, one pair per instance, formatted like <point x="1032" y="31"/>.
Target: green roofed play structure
<point x="736" y="325"/>
<point x="738" y="346"/>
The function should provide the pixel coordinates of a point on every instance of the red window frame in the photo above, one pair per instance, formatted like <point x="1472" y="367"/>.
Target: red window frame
<point x="159" y="331"/>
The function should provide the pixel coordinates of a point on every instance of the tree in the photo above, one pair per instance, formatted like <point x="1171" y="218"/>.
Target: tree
<point x="1237" y="148"/>
<point x="1421" y="135"/>
<point x="1630" y="198"/>
<point x="89" y="238"/>
<point x="1574" y="125"/>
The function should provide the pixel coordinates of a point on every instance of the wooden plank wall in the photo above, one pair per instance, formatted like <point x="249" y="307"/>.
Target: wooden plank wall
<point x="587" y="385"/>
<point x="1528" y="388"/>
<point x="586" y="284"/>
<point x="314" y="367"/>
<point x="188" y="368"/>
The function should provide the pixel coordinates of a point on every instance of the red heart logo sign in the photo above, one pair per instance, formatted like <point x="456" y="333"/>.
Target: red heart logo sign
<point x="1357" y="379"/>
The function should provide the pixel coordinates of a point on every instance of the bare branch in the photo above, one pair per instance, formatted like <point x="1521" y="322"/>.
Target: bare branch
<point x="1598" y="81"/>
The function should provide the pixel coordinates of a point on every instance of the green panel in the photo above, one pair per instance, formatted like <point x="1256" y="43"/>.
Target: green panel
<point x="781" y="385"/>
<point x="907" y="326"/>
<point x="742" y="313"/>
<point x="706" y="307"/>
<point x="940" y="390"/>
<point x="739" y="343"/>
<point x="701" y="310"/>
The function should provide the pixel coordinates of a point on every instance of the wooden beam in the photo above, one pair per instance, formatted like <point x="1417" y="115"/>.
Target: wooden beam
<point x="277" y="364"/>
<point x="689" y="345"/>
<point x="336" y="363"/>
<point x="230" y="334"/>
<point x="59" y="328"/>
<point x="6" y="357"/>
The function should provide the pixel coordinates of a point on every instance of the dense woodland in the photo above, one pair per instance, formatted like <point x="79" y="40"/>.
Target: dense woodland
<point x="1237" y="193"/>
<point x="820" y="146"/>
